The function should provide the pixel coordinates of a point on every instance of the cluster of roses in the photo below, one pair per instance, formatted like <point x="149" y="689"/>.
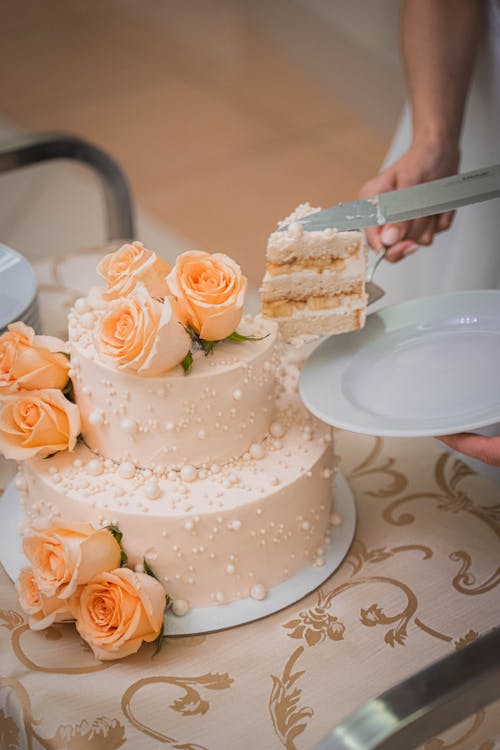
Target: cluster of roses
<point x="153" y="313"/>
<point x="76" y="573"/>
<point x="36" y="418"/>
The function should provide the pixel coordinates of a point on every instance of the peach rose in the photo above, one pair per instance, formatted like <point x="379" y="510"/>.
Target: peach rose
<point x="209" y="291"/>
<point x="68" y="555"/>
<point x="31" y="362"/>
<point x="141" y="334"/>
<point x="118" y="610"/>
<point x="37" y="423"/>
<point x="129" y="264"/>
<point x="42" y="611"/>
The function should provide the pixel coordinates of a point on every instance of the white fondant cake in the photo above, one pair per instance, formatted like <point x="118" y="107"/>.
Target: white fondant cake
<point x="213" y="471"/>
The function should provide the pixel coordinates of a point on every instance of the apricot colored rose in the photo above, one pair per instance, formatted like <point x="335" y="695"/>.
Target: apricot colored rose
<point x="141" y="334"/>
<point x="42" y="611"/>
<point x="67" y="555"/>
<point x="118" y="610"/>
<point x="128" y="265"/>
<point x="209" y="291"/>
<point x="37" y="423"/>
<point x="31" y="362"/>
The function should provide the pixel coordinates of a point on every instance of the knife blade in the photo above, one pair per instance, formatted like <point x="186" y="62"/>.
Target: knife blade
<point x="426" y="199"/>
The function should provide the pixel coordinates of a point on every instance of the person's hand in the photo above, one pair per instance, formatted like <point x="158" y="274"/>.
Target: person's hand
<point x="486" y="449"/>
<point x="422" y="162"/>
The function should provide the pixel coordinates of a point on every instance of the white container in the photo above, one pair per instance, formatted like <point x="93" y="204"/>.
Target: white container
<point x="18" y="290"/>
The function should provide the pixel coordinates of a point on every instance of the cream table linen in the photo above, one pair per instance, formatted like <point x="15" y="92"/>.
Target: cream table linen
<point x="420" y="581"/>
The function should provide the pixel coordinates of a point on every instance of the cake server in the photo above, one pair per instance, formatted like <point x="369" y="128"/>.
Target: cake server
<point x="427" y="199"/>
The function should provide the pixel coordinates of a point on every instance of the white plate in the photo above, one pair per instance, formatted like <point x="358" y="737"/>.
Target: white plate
<point x="17" y="286"/>
<point x="429" y="366"/>
<point x="208" y="619"/>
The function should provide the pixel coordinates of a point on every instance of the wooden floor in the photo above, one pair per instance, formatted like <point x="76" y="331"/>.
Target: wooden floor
<point x="220" y="131"/>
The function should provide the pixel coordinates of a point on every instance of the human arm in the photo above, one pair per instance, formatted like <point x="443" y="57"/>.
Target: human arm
<point x="439" y="40"/>
<point x="486" y="449"/>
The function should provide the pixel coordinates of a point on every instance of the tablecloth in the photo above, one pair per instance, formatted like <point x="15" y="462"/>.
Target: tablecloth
<point x="421" y="579"/>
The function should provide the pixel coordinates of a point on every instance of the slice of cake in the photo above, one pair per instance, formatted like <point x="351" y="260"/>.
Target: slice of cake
<point x="315" y="281"/>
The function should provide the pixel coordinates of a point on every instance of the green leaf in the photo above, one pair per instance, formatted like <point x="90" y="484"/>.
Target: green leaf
<point x="68" y="391"/>
<point x="115" y="531"/>
<point x="65" y="354"/>
<point x="148" y="569"/>
<point x="238" y="337"/>
<point x="207" y="346"/>
<point x="159" y="641"/>
<point x="187" y="362"/>
<point x="123" y="558"/>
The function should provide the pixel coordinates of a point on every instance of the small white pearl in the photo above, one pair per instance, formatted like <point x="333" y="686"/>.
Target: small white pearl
<point x="169" y="426"/>
<point x="139" y="568"/>
<point x="172" y="475"/>
<point x="306" y="525"/>
<point x="126" y="470"/>
<point x="230" y="568"/>
<point x="188" y="525"/>
<point x="87" y="390"/>
<point x="277" y="429"/>
<point x="128" y="425"/>
<point x="258" y="592"/>
<point x="180" y="607"/>
<point x="152" y="490"/>
<point x="256" y="451"/>
<point x="94" y="467"/>
<point x="202" y="434"/>
<point x="235" y="525"/>
<point x="219" y="596"/>
<point x="81" y="305"/>
<point x="335" y="519"/>
<point x="188" y="473"/>
<point x="20" y="483"/>
<point x="237" y="395"/>
<point x="96" y="417"/>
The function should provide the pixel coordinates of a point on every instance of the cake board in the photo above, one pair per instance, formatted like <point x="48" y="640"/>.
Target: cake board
<point x="222" y="616"/>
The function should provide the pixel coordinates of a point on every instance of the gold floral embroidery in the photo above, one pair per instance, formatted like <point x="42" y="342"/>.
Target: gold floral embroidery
<point x="436" y="743"/>
<point x="398" y="481"/>
<point x="465" y="581"/>
<point x="288" y="717"/>
<point x="10" y="736"/>
<point x="12" y="619"/>
<point x="189" y="704"/>
<point x="359" y="554"/>
<point x="466" y="639"/>
<point x="102" y="732"/>
<point x="315" y="625"/>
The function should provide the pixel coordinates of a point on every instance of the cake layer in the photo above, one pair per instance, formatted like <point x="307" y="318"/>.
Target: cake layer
<point x="285" y="308"/>
<point x="326" y="322"/>
<point x="295" y="242"/>
<point x="218" y="535"/>
<point x="210" y="415"/>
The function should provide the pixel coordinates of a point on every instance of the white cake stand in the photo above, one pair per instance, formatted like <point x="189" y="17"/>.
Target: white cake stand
<point x="218" y="617"/>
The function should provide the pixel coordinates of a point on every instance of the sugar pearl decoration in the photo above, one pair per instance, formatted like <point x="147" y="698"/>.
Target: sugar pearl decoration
<point x="258" y="592"/>
<point x="128" y="425"/>
<point x="94" y="467"/>
<point x="277" y="429"/>
<point x="219" y="597"/>
<point x="188" y="525"/>
<point x="169" y="426"/>
<point x="96" y="417"/>
<point x="188" y="473"/>
<point x="126" y="470"/>
<point x="20" y="483"/>
<point x="237" y="395"/>
<point x="180" y="607"/>
<point x="256" y="451"/>
<point x="202" y="434"/>
<point x="335" y="519"/>
<point x="152" y="489"/>
<point x="230" y="568"/>
<point x="81" y="305"/>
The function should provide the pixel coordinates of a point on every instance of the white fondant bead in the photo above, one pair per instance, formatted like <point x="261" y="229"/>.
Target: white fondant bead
<point x="188" y="525"/>
<point x="237" y="395"/>
<point x="258" y="592"/>
<point x="277" y="429"/>
<point x="257" y="451"/>
<point x="94" y="467"/>
<point x="20" y="483"/>
<point x="180" y="607"/>
<point x="230" y="568"/>
<point x="128" y="425"/>
<point x="96" y="417"/>
<point x="152" y="490"/>
<point x="188" y="473"/>
<point x="126" y="470"/>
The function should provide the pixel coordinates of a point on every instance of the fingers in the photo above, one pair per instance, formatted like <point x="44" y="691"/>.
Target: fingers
<point x="400" y="250"/>
<point x="444" y="221"/>
<point x="486" y="449"/>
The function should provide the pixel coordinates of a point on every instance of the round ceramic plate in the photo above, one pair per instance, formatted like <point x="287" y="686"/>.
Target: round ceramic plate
<point x="18" y="285"/>
<point x="429" y="366"/>
<point x="208" y="619"/>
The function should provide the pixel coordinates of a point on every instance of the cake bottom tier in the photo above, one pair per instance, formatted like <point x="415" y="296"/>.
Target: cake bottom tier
<point x="225" y="534"/>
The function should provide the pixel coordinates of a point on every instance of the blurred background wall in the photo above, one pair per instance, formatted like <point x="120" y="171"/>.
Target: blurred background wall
<point x="225" y="114"/>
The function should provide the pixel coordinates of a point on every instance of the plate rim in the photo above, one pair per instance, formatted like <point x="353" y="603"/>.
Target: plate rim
<point x="366" y="337"/>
